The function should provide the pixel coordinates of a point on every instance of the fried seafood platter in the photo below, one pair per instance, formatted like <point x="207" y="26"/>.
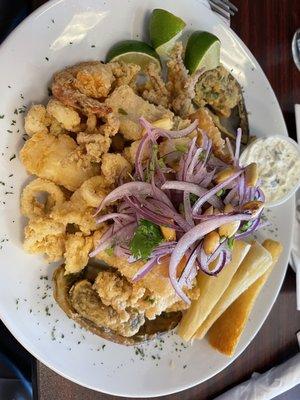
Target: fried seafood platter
<point x="139" y="193"/>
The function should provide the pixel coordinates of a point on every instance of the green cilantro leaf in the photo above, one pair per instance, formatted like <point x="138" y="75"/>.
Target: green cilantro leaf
<point x="109" y="251"/>
<point x="220" y="192"/>
<point x="182" y="148"/>
<point x="122" y="111"/>
<point x="146" y="237"/>
<point x="230" y="242"/>
<point x="193" y="198"/>
<point x="245" y="226"/>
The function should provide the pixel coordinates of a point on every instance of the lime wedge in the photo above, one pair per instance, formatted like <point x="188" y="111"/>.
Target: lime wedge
<point x="202" y="51"/>
<point x="165" y="29"/>
<point x="133" y="51"/>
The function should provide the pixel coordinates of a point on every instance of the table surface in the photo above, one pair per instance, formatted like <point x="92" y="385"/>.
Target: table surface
<point x="267" y="27"/>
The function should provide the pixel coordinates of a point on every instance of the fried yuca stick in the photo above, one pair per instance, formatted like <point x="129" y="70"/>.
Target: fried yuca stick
<point x="255" y="264"/>
<point x="211" y="289"/>
<point x="226" y="332"/>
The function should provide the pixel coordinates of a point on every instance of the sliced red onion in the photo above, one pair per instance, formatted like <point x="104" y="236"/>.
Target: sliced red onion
<point x="195" y="189"/>
<point x="193" y="164"/>
<point x="122" y="216"/>
<point x="207" y="179"/>
<point x="145" y="269"/>
<point x="260" y="194"/>
<point x="145" y="141"/>
<point x="110" y="237"/>
<point x="252" y="193"/>
<point x="188" y="208"/>
<point x="213" y="191"/>
<point x="192" y="236"/>
<point x="150" y="215"/>
<point x="237" y="146"/>
<point x="133" y="188"/>
<point x="241" y="189"/>
<point x="222" y="261"/>
<point x="188" y="158"/>
<point x="122" y="251"/>
<point x="181" y="133"/>
<point x="189" y="266"/>
<point x="230" y="196"/>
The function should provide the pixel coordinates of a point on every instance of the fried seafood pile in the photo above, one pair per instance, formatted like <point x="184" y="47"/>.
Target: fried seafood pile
<point x="82" y="144"/>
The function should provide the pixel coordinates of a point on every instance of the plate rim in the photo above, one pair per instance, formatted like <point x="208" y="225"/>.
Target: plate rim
<point x="26" y="343"/>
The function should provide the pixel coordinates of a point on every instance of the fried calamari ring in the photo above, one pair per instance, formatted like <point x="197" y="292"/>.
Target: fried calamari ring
<point x="94" y="190"/>
<point x="31" y="207"/>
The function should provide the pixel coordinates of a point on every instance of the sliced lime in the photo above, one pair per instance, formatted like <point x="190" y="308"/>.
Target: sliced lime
<point x="165" y="29"/>
<point x="135" y="52"/>
<point x="202" y="51"/>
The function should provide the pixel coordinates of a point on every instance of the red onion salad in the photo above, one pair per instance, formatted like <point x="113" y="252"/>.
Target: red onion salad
<point x="184" y="196"/>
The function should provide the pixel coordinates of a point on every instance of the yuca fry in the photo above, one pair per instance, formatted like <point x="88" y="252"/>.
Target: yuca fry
<point x="255" y="264"/>
<point x="226" y="332"/>
<point x="211" y="289"/>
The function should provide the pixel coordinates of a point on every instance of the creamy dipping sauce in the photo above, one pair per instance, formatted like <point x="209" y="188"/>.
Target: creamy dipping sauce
<point x="278" y="162"/>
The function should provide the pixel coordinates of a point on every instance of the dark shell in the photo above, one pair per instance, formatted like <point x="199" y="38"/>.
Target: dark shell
<point x="151" y="329"/>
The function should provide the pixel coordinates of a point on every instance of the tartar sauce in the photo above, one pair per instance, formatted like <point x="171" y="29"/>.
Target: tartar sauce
<point x="278" y="162"/>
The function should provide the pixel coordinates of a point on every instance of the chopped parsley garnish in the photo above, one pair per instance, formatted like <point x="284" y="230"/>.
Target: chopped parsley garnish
<point x="230" y="242"/>
<point x="1" y="116"/>
<point x="122" y="111"/>
<point x="193" y="198"/>
<point x="109" y="251"/>
<point x="245" y="226"/>
<point x="145" y="239"/>
<point x="202" y="156"/>
<point x="12" y="157"/>
<point x="182" y="148"/>
<point x="220" y="192"/>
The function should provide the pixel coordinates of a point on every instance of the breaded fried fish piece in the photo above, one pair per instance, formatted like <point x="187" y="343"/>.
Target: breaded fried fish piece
<point x="130" y="107"/>
<point x="49" y="157"/>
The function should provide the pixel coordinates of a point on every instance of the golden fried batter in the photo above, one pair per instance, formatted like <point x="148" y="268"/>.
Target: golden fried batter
<point x="67" y="117"/>
<point x="37" y="120"/>
<point x="114" y="167"/>
<point x="49" y="157"/>
<point x="77" y="252"/>
<point x="45" y="236"/>
<point x="88" y="304"/>
<point x="130" y="107"/>
<point x="32" y="207"/>
<point x="180" y="84"/>
<point x="118" y="293"/>
<point x="155" y="90"/>
<point x="69" y="86"/>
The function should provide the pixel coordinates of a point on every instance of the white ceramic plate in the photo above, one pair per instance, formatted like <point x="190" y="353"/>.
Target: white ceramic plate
<point x="64" y="32"/>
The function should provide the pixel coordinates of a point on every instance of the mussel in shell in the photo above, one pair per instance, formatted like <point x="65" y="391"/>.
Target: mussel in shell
<point x="75" y="295"/>
<point x="218" y="91"/>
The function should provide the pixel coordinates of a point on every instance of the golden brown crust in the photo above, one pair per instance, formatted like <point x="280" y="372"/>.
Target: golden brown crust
<point x="62" y="286"/>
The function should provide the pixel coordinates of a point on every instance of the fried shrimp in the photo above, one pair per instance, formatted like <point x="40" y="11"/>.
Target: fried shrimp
<point x="31" y="207"/>
<point x="81" y="85"/>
